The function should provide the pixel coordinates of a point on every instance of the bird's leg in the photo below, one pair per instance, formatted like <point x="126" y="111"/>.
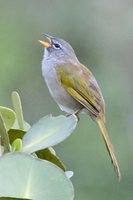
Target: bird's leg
<point x="75" y="113"/>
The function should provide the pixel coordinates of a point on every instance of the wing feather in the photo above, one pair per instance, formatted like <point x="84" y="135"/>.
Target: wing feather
<point x="82" y="86"/>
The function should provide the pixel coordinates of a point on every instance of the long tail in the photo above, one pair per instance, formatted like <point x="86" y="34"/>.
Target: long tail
<point x="109" y="146"/>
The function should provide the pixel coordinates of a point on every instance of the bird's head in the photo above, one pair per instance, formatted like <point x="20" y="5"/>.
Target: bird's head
<point x="58" y="49"/>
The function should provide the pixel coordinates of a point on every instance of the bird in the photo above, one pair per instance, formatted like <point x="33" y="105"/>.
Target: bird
<point x="74" y="87"/>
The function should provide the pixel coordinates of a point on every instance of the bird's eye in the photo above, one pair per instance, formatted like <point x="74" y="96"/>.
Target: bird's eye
<point x="57" y="46"/>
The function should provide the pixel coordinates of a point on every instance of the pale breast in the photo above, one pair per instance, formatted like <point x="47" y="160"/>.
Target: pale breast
<point x="57" y="91"/>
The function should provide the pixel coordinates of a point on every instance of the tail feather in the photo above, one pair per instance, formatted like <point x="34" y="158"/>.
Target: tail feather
<point x="109" y="146"/>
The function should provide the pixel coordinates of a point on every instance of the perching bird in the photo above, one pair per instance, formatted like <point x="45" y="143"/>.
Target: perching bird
<point x="73" y="86"/>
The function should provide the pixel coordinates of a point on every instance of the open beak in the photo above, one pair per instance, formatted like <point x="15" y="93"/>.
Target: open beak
<point x="46" y="44"/>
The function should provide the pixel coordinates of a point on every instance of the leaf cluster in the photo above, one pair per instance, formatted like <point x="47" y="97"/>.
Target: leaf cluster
<point x="30" y="168"/>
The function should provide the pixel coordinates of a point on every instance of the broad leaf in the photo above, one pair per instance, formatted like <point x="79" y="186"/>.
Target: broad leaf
<point x="47" y="154"/>
<point x="48" y="131"/>
<point x="8" y="116"/>
<point x="24" y="176"/>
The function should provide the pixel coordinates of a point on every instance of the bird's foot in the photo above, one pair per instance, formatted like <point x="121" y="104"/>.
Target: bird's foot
<point x="75" y="113"/>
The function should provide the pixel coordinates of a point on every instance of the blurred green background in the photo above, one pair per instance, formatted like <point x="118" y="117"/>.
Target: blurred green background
<point x="101" y="33"/>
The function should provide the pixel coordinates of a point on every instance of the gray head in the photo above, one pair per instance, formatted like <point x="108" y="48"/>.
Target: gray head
<point x="58" y="50"/>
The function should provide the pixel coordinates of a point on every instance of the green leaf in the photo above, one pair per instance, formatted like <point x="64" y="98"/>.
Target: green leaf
<point x="24" y="176"/>
<point x="14" y="134"/>
<point x="18" y="109"/>
<point x="1" y="149"/>
<point x="17" y="145"/>
<point x="8" y="198"/>
<point x="16" y="126"/>
<point x="48" y="131"/>
<point x="47" y="154"/>
<point x="4" y="135"/>
<point x="8" y="116"/>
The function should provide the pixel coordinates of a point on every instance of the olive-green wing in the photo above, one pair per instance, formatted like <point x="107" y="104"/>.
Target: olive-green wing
<point x="82" y="86"/>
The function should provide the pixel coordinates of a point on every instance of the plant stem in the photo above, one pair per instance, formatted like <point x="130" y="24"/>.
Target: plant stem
<point x="4" y="135"/>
